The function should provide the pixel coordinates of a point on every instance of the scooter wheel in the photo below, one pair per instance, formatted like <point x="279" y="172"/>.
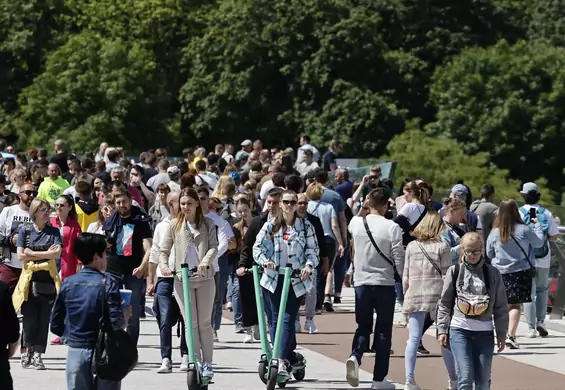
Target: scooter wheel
<point x="262" y="370"/>
<point x="273" y="376"/>
<point x="282" y="385"/>
<point x="192" y="381"/>
<point x="299" y="375"/>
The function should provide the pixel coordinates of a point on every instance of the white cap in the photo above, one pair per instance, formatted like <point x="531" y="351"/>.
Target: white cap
<point x="247" y="142"/>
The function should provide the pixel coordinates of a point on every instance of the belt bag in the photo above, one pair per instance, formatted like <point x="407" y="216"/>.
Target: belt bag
<point x="472" y="305"/>
<point x="43" y="290"/>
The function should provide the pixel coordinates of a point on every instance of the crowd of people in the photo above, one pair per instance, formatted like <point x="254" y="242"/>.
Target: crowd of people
<point x="108" y="222"/>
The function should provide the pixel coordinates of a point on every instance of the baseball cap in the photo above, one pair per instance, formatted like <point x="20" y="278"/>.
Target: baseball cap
<point x="529" y="187"/>
<point x="459" y="190"/>
<point x="247" y="142"/>
<point x="173" y="170"/>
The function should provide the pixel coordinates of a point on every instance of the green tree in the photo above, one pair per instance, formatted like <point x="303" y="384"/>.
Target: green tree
<point x="507" y="101"/>
<point x="548" y="21"/>
<point x="276" y="69"/>
<point x="94" y="89"/>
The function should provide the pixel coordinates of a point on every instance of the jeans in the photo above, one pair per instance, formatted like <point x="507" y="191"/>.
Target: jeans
<point x="415" y="328"/>
<point x="134" y="284"/>
<point x="380" y="299"/>
<point x="399" y="292"/>
<point x="309" y="301"/>
<point x="340" y="268"/>
<point x="473" y="352"/>
<point x="536" y="310"/>
<point x="165" y="308"/>
<point x="233" y="295"/>
<point x="36" y="316"/>
<point x="288" y="342"/>
<point x="268" y="309"/>
<point x="79" y="372"/>
<point x="221" y="280"/>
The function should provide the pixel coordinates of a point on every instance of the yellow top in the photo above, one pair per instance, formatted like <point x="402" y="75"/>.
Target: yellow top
<point x="21" y="292"/>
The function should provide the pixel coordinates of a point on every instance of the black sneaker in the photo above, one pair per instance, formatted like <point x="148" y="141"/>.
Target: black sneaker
<point x="422" y="350"/>
<point x="328" y="304"/>
<point x="511" y="343"/>
<point x="337" y="300"/>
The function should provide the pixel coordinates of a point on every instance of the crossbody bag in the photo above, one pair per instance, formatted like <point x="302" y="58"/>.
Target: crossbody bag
<point x="532" y="267"/>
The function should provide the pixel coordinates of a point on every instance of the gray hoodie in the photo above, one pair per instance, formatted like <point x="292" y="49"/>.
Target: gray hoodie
<point x="498" y="306"/>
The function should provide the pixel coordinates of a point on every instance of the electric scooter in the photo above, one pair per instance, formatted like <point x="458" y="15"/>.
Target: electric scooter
<point x="268" y="368"/>
<point x="194" y="378"/>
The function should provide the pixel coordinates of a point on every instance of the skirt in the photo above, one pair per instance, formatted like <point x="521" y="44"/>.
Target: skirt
<point x="518" y="286"/>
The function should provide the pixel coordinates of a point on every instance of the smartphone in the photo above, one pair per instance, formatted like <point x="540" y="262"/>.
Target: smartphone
<point x="533" y="213"/>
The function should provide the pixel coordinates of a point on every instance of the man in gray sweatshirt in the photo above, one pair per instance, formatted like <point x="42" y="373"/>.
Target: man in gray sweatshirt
<point x="379" y="260"/>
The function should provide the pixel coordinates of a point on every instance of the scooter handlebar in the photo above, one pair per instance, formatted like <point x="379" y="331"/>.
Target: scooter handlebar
<point x="295" y="272"/>
<point x="190" y="271"/>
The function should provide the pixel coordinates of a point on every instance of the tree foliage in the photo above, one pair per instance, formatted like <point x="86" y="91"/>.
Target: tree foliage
<point x="92" y="90"/>
<point x="548" y="21"/>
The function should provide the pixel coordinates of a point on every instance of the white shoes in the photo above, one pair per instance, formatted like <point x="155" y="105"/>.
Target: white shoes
<point x="411" y="386"/>
<point x="452" y="385"/>
<point x="352" y="371"/>
<point x="384" y="384"/>
<point x="166" y="367"/>
<point x="310" y="326"/>
<point x="184" y="364"/>
<point x="531" y="334"/>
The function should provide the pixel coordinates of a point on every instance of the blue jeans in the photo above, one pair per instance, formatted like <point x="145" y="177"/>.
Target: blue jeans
<point x="134" y="284"/>
<point x="340" y="268"/>
<point x="164" y="307"/>
<point x="473" y="352"/>
<point x="79" y="372"/>
<point x="288" y="342"/>
<point x="221" y="279"/>
<point x="233" y="295"/>
<point x="399" y="292"/>
<point x="267" y="308"/>
<point x="380" y="299"/>
<point x="536" y="310"/>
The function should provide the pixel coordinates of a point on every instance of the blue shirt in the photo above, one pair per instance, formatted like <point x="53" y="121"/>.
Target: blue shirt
<point x="78" y="307"/>
<point x="333" y="198"/>
<point x="345" y="190"/>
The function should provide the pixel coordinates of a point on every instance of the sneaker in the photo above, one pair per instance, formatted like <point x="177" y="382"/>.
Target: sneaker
<point x="452" y="384"/>
<point x="352" y="371"/>
<point x="422" y="350"/>
<point x="248" y="336"/>
<point x="531" y="334"/>
<point x="207" y="371"/>
<point x="166" y="367"/>
<point x="216" y="339"/>
<point x="542" y="330"/>
<point x="328" y="304"/>
<point x="511" y="343"/>
<point x="337" y="300"/>
<point x="411" y="386"/>
<point x="384" y="384"/>
<point x="57" y="341"/>
<point x="297" y="328"/>
<point x="284" y="375"/>
<point x="38" y="362"/>
<point x="310" y="327"/>
<point x="347" y="280"/>
<point x="239" y="329"/>
<point x="256" y="333"/>
<point x="25" y="359"/>
<point x="229" y="306"/>
<point x="184" y="364"/>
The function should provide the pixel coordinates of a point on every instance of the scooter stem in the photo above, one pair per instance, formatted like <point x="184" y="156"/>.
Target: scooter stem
<point x="265" y="347"/>
<point x="188" y="313"/>
<point x="282" y="308"/>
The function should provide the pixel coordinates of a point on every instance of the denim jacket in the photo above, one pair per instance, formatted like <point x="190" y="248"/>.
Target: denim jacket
<point x="79" y="305"/>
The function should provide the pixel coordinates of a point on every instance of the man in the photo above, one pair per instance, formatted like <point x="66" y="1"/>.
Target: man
<point x="344" y="186"/>
<point x="78" y="308"/>
<point x="369" y="183"/>
<point x="11" y="220"/>
<point x="329" y="163"/>
<point x="86" y="207"/>
<point x="161" y="177"/>
<point x="129" y="233"/>
<point x="53" y="185"/>
<point x="485" y="209"/>
<point x="60" y="157"/>
<point x="149" y="162"/>
<point x="226" y="241"/>
<point x="376" y="271"/>
<point x="165" y="306"/>
<point x="174" y="175"/>
<point x="9" y="335"/>
<point x="203" y="177"/>
<point x="472" y="221"/>
<point x="304" y="146"/>
<point x="120" y="173"/>
<point x="308" y="163"/>
<point x="113" y="156"/>
<point x="246" y="147"/>
<point x="536" y="310"/>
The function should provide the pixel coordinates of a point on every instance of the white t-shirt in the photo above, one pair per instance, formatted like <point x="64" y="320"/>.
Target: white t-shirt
<point x="225" y="232"/>
<point x="71" y="191"/>
<point x="95" y="228"/>
<point x="553" y="230"/>
<point x="158" y="236"/>
<point x="412" y="211"/>
<point x="202" y="178"/>
<point x="11" y="220"/>
<point x="192" y="258"/>
<point x="284" y="247"/>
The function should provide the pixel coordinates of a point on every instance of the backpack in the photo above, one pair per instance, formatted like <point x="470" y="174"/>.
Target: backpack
<point x="543" y="251"/>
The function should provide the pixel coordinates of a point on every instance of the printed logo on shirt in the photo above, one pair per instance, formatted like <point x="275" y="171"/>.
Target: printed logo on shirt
<point x="286" y="235"/>
<point x="124" y="246"/>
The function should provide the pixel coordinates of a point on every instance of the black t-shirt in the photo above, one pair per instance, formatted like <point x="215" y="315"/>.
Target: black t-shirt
<point x="329" y="160"/>
<point x="9" y="325"/>
<point x="127" y="253"/>
<point x="61" y="161"/>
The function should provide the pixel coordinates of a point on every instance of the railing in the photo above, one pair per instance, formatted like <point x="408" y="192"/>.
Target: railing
<point x="557" y="269"/>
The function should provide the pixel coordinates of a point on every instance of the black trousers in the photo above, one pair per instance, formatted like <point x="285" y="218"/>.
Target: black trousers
<point x="36" y="313"/>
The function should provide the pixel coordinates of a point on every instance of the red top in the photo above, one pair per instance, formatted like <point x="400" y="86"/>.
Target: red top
<point x="71" y="230"/>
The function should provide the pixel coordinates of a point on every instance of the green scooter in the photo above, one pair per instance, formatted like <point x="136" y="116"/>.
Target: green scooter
<point x="268" y="368"/>
<point x="194" y="379"/>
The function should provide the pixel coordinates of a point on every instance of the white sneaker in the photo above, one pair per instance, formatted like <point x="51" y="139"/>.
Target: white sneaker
<point x="166" y="367"/>
<point x="310" y="326"/>
<point x="531" y="334"/>
<point x="542" y="330"/>
<point x="411" y="386"/>
<point x="256" y="333"/>
<point x="352" y="371"/>
<point x="384" y="384"/>
<point x="229" y="306"/>
<point x="184" y="364"/>
<point x="248" y="336"/>
<point x="452" y="385"/>
<point x="512" y="343"/>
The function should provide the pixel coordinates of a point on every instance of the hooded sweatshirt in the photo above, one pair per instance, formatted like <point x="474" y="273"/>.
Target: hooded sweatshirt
<point x="87" y="212"/>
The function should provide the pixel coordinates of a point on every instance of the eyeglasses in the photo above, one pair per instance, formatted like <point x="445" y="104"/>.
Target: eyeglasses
<point x="290" y="202"/>
<point x="59" y="205"/>
<point x="44" y="210"/>
<point x="473" y="253"/>
<point x="216" y="209"/>
<point x="29" y="192"/>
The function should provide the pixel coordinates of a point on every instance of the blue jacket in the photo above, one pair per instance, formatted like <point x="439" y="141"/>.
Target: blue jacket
<point x="79" y="306"/>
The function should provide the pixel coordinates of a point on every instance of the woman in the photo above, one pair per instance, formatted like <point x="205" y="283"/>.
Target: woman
<point x="105" y="212"/>
<point x="159" y="211"/>
<point x="455" y="211"/>
<point x="510" y="246"/>
<point x="223" y="181"/>
<point x="427" y="260"/>
<point x="196" y="243"/>
<point x="473" y="296"/>
<point x="66" y="222"/>
<point x="282" y="241"/>
<point x="256" y="206"/>
<point x="135" y="180"/>
<point x="326" y="213"/>
<point x="38" y="248"/>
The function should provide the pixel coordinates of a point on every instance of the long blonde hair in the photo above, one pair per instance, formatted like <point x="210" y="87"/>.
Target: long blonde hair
<point x="429" y="228"/>
<point x="223" y="181"/>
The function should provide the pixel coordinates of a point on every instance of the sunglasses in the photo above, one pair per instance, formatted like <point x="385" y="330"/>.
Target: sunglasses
<point x="473" y="253"/>
<point x="216" y="209"/>
<point x="290" y="202"/>
<point x="44" y="210"/>
<point x="29" y="192"/>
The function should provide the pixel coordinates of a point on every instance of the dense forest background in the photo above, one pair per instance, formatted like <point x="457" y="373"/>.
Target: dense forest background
<point x="471" y="89"/>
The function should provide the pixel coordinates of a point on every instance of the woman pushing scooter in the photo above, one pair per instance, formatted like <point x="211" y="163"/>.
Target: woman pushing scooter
<point x="284" y="241"/>
<point x="196" y="244"/>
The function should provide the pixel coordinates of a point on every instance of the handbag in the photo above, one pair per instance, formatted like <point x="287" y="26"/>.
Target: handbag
<point x="115" y="353"/>
<point x="397" y="277"/>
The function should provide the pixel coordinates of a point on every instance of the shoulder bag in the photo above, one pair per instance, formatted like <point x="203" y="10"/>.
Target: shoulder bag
<point x="532" y="269"/>
<point x="40" y="290"/>
<point x="397" y="277"/>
